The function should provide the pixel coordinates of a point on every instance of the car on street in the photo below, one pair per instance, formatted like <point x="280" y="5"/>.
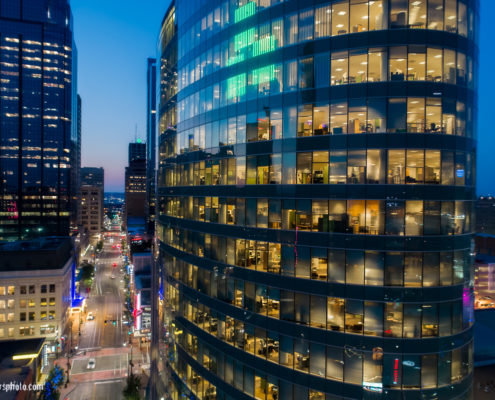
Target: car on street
<point x="90" y="316"/>
<point x="114" y="264"/>
<point x="91" y="363"/>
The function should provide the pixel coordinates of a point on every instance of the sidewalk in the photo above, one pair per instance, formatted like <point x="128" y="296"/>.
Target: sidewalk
<point x="66" y="391"/>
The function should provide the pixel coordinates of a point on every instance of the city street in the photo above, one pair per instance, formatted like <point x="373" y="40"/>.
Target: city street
<point x="104" y="339"/>
<point x="109" y="389"/>
<point x="105" y="302"/>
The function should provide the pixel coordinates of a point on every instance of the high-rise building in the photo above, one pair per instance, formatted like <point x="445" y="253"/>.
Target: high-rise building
<point x="93" y="176"/>
<point x="137" y="151"/>
<point x="91" y="208"/>
<point x="485" y="215"/>
<point x="76" y="164"/>
<point x="167" y="124"/>
<point x="151" y="144"/>
<point x="38" y="85"/>
<point x="316" y="199"/>
<point x="135" y="189"/>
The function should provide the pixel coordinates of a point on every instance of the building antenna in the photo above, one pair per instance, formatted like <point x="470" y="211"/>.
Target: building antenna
<point x="135" y="133"/>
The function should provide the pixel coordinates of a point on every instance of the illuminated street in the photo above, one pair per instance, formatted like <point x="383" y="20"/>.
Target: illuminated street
<point x="105" y="302"/>
<point x="105" y="338"/>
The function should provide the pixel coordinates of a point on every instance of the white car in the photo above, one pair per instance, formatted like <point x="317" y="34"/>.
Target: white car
<point x="90" y="316"/>
<point x="91" y="363"/>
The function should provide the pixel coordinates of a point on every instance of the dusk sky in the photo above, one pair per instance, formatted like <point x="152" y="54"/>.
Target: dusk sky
<point x="114" y="39"/>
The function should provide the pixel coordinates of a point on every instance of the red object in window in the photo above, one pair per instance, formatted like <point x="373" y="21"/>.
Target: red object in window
<point x="396" y="371"/>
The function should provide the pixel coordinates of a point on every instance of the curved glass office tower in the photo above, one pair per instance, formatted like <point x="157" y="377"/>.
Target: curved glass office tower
<point x="316" y="200"/>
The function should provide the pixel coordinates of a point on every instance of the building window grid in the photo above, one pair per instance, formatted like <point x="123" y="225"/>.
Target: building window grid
<point x="334" y="19"/>
<point x="260" y="213"/>
<point x="293" y="30"/>
<point x="444" y="318"/>
<point x="357" y="217"/>
<point x="309" y="357"/>
<point x="365" y="166"/>
<point x="430" y="115"/>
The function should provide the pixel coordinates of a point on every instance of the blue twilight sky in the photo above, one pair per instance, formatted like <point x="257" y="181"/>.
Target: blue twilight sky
<point x="114" y="39"/>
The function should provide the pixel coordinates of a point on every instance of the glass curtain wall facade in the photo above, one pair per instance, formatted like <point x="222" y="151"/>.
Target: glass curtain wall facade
<point x="37" y="104"/>
<point x="151" y="145"/>
<point x="166" y="68"/>
<point x="76" y="158"/>
<point x="316" y="200"/>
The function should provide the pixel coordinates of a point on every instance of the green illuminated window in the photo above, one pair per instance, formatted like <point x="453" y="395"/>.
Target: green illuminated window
<point x="263" y="46"/>
<point x="244" y="39"/>
<point x="264" y="74"/>
<point x="236" y="86"/>
<point x="235" y="59"/>
<point x="245" y="11"/>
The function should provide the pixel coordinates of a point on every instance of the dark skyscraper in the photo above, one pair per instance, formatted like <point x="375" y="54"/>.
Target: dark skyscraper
<point x="76" y="163"/>
<point x="151" y="144"/>
<point x="137" y="152"/>
<point x="92" y="176"/>
<point x="316" y="199"/>
<point x="135" y="187"/>
<point x="37" y="113"/>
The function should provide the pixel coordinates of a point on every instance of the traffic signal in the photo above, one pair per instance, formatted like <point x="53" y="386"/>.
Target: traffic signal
<point x="130" y="333"/>
<point x="114" y="322"/>
<point x="105" y="322"/>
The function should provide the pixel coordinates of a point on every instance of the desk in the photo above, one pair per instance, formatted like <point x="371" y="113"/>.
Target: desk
<point x="302" y="362"/>
<point x="320" y="275"/>
<point x="318" y="177"/>
<point x="417" y="25"/>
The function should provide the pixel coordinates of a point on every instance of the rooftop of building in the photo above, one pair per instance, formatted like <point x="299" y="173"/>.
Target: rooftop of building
<point x="92" y="169"/>
<point x="43" y="253"/>
<point x="485" y="258"/>
<point x="16" y="357"/>
<point x="92" y="187"/>
<point x="142" y="280"/>
<point x="484" y="330"/>
<point x="10" y="348"/>
<point x="487" y="198"/>
<point x="485" y="235"/>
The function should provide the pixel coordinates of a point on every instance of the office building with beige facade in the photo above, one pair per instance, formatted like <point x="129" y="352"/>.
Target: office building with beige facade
<point x="92" y="193"/>
<point x="36" y="290"/>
